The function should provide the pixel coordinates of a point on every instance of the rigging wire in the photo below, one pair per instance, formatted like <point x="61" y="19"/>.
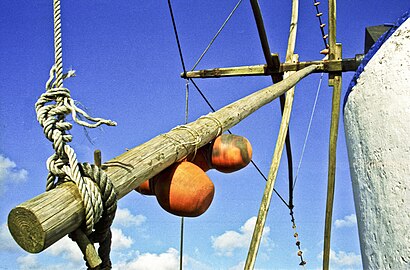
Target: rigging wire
<point x="176" y="36"/>
<point x="308" y="130"/>
<point x="181" y="251"/>
<point x="216" y="35"/>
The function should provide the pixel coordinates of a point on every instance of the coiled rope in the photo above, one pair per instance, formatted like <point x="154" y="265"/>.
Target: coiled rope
<point x="97" y="191"/>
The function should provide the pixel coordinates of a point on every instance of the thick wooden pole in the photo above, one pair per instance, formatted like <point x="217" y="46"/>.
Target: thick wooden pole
<point x="38" y="223"/>
<point x="283" y="130"/>
<point x="335" y="80"/>
<point x="267" y="195"/>
<point x="331" y="169"/>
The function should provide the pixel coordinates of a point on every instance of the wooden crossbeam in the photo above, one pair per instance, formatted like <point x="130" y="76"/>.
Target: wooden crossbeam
<point x="38" y="223"/>
<point x="336" y="65"/>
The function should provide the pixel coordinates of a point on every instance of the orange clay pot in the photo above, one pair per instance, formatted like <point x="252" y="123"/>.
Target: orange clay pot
<point x="202" y="157"/>
<point x="184" y="189"/>
<point x="230" y="153"/>
<point x="145" y="188"/>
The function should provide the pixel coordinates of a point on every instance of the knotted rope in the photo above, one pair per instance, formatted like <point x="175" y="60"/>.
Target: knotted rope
<point x="97" y="191"/>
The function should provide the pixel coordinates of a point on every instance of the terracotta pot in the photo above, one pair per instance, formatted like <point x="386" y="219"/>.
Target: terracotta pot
<point x="184" y="189"/>
<point x="230" y="153"/>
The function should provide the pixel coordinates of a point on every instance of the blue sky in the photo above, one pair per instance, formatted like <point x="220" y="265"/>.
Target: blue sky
<point x="127" y="67"/>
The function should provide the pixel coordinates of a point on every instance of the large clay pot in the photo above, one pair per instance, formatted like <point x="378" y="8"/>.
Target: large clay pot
<point x="230" y="153"/>
<point x="184" y="189"/>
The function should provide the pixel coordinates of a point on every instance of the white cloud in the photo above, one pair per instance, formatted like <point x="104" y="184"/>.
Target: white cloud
<point x="239" y="266"/>
<point x="343" y="259"/>
<point x="27" y="262"/>
<point x="67" y="249"/>
<point x="168" y="260"/>
<point x="7" y="242"/>
<point x="119" y="240"/>
<point x="9" y="172"/>
<point x="347" y="221"/>
<point x="193" y="264"/>
<point x="123" y="217"/>
<point x="229" y="241"/>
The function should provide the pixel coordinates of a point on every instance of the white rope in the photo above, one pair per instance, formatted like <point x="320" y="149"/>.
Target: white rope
<point x="308" y="129"/>
<point x="216" y="120"/>
<point x="51" y="109"/>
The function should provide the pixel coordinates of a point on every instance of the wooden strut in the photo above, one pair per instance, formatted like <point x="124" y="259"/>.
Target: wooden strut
<point x="273" y="64"/>
<point x="38" y="223"/>
<point x="335" y="80"/>
<point x="335" y="65"/>
<point x="280" y="143"/>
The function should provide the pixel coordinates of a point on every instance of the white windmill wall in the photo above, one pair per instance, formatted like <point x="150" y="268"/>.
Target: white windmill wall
<point x="377" y="125"/>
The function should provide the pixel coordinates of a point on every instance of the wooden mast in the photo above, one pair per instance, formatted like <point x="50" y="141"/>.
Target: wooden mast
<point x="38" y="223"/>
<point x="335" y="80"/>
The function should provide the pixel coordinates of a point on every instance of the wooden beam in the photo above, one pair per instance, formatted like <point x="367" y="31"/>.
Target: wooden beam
<point x="38" y="223"/>
<point x="280" y="143"/>
<point x="262" y="33"/>
<point x="332" y="30"/>
<point x="335" y="80"/>
<point x="273" y="65"/>
<point x="337" y="65"/>
<point x="267" y="195"/>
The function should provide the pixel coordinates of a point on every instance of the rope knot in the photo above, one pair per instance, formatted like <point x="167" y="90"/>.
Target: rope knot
<point x="52" y="107"/>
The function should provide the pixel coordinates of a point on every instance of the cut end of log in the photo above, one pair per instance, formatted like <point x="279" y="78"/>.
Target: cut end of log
<point x="23" y="226"/>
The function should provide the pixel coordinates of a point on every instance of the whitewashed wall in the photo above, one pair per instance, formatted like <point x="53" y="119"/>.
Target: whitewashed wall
<point x="377" y="125"/>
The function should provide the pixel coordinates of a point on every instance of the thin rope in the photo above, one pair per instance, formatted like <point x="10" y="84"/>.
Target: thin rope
<point x="58" y="49"/>
<point x="308" y="129"/>
<point x="186" y="101"/>
<point x="186" y="118"/>
<point x="181" y="244"/>
<point x="217" y="34"/>
<point x="216" y="120"/>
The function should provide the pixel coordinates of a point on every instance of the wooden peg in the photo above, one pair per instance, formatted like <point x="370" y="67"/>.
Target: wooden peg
<point x="87" y="248"/>
<point x="97" y="158"/>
